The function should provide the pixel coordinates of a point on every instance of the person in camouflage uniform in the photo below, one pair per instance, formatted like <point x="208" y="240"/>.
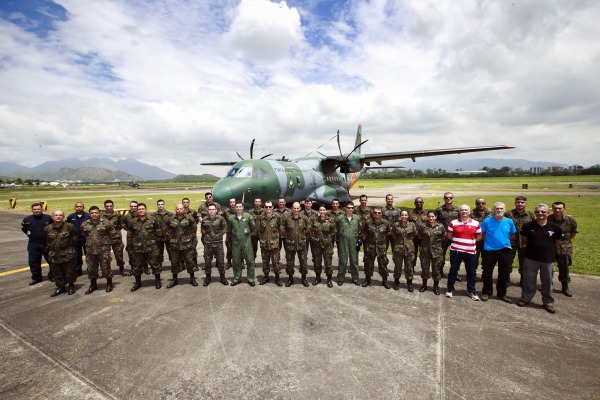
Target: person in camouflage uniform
<point x="240" y="227"/>
<point x="194" y="215"/>
<point x="208" y="201"/>
<point x="61" y="238"/>
<point x="322" y="234"/>
<point x="333" y="214"/>
<point x="564" y="248"/>
<point x="295" y="227"/>
<point x="133" y="205"/>
<point x="268" y="228"/>
<point x="116" y="242"/>
<point x="98" y="234"/>
<point x="311" y="214"/>
<point x="281" y="210"/>
<point x="162" y="241"/>
<point x="391" y="214"/>
<point x="445" y="214"/>
<point x="375" y="235"/>
<point x="365" y="215"/>
<point x="213" y="228"/>
<point x="256" y="212"/>
<point x="479" y="213"/>
<point x="417" y="216"/>
<point x="432" y="235"/>
<point x="180" y="230"/>
<point x="403" y="249"/>
<point x="520" y="216"/>
<point x="144" y="229"/>
<point x="348" y="228"/>
<point x="226" y="214"/>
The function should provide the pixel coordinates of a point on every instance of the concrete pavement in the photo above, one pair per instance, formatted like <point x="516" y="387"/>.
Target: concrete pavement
<point x="287" y="343"/>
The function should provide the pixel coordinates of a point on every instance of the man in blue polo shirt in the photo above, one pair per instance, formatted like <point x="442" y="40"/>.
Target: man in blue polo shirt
<point x="497" y="234"/>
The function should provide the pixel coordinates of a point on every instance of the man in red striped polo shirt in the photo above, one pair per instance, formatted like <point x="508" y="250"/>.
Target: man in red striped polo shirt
<point x="464" y="233"/>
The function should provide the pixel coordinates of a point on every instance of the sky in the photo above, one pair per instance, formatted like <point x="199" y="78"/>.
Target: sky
<point x="174" y="83"/>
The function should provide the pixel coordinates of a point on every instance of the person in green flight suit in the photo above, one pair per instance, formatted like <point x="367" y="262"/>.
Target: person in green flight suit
<point x="240" y="228"/>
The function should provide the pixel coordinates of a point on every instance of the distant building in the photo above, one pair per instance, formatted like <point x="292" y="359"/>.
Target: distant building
<point x="536" y="170"/>
<point x="555" y="168"/>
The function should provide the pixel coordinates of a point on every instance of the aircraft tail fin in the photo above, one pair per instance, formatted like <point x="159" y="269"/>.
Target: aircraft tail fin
<point x="358" y="141"/>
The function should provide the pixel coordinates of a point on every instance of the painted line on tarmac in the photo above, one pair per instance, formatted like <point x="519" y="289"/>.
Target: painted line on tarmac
<point x="14" y="271"/>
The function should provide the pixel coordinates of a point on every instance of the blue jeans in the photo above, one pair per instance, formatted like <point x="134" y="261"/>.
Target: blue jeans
<point x="470" y="260"/>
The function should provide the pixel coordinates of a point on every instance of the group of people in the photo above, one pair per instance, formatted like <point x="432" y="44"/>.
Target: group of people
<point x="231" y="238"/>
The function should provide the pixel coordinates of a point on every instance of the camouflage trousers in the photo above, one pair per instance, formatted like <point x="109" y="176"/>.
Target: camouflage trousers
<point x="117" y="249"/>
<point x="214" y="250"/>
<point x="563" y="261"/>
<point x="195" y="251"/>
<point x="382" y="262"/>
<point x="140" y="260"/>
<point x="161" y="246"/>
<point x="434" y="263"/>
<point x="182" y="259"/>
<point x="271" y="258"/>
<point x="322" y="255"/>
<point x="229" y="247"/>
<point x="417" y="243"/>
<point x="64" y="273"/>
<point x="407" y="260"/>
<point x="290" y="256"/>
<point x="514" y="252"/>
<point x="101" y="260"/>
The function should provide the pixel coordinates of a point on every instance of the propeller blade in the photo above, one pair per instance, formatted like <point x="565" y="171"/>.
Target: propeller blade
<point x="238" y="154"/>
<point x="252" y="149"/>
<point x="338" y="140"/>
<point x="263" y="157"/>
<point x="353" y="150"/>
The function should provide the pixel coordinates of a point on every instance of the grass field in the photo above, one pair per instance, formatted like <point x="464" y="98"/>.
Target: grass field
<point x="584" y="208"/>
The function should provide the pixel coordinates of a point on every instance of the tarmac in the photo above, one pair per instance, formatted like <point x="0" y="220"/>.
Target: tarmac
<point x="269" y="342"/>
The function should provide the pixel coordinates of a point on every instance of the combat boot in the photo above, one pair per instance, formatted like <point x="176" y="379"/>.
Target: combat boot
<point x="396" y="283"/>
<point x="137" y="284"/>
<point x="92" y="287"/>
<point x="304" y="281"/>
<point x="290" y="281"/>
<point x="565" y="290"/>
<point x="436" y="288"/>
<point x="173" y="282"/>
<point x="206" y="280"/>
<point x="109" y="285"/>
<point x="367" y="281"/>
<point x="123" y="272"/>
<point x="277" y="280"/>
<point x="70" y="289"/>
<point x="423" y="286"/>
<point x="223" y="280"/>
<point x="409" y="285"/>
<point x="58" y="291"/>
<point x="317" y="280"/>
<point x="264" y="280"/>
<point x="193" y="280"/>
<point x="329" y="283"/>
<point x="157" y="282"/>
<point x="385" y="283"/>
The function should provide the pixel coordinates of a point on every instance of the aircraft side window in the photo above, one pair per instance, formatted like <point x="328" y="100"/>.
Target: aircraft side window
<point x="259" y="173"/>
<point x="244" y="172"/>
<point x="298" y="181"/>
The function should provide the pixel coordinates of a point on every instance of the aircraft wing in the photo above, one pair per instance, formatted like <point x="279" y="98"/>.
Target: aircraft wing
<point x="221" y="163"/>
<point x="379" y="157"/>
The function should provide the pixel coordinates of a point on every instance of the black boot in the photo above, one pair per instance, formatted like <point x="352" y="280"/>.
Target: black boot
<point x="70" y="289"/>
<point x="92" y="287"/>
<point x="290" y="281"/>
<point x="436" y="288"/>
<point x="396" y="283"/>
<point x="173" y="282"/>
<point x="223" y="280"/>
<point x="277" y="280"/>
<point x="137" y="284"/>
<point x="565" y="290"/>
<point x="157" y="282"/>
<point x="317" y="280"/>
<point x="206" y="280"/>
<point x="367" y="281"/>
<point x="193" y="280"/>
<point x="409" y="285"/>
<point x="423" y="286"/>
<point x="58" y="291"/>
<point x="109" y="286"/>
<point x="265" y="279"/>
<point x="123" y="272"/>
<point x="304" y="282"/>
<point x="329" y="283"/>
<point x="385" y="283"/>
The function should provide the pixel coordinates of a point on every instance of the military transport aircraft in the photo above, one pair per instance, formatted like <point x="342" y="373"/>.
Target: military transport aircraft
<point x="320" y="178"/>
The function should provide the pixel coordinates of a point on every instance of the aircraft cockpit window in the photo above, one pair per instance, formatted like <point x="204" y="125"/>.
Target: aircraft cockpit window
<point x="232" y="172"/>
<point x="259" y="173"/>
<point x="244" y="172"/>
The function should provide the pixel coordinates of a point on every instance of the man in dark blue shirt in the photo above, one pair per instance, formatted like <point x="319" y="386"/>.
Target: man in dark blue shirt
<point x="78" y="218"/>
<point x="33" y="226"/>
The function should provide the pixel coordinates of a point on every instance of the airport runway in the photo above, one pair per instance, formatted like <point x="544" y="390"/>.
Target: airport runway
<point x="270" y="342"/>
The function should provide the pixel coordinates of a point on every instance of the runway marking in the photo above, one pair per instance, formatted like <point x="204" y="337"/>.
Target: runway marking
<point x="14" y="271"/>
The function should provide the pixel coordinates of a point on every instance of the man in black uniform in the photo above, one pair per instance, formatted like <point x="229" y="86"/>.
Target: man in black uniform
<point x="77" y="218"/>
<point x="33" y="226"/>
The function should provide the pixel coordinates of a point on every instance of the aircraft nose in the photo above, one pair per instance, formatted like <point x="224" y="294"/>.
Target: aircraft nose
<point x="221" y="194"/>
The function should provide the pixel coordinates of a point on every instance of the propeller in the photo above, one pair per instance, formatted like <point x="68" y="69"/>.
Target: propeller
<point x="343" y="162"/>
<point x="252" y="152"/>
